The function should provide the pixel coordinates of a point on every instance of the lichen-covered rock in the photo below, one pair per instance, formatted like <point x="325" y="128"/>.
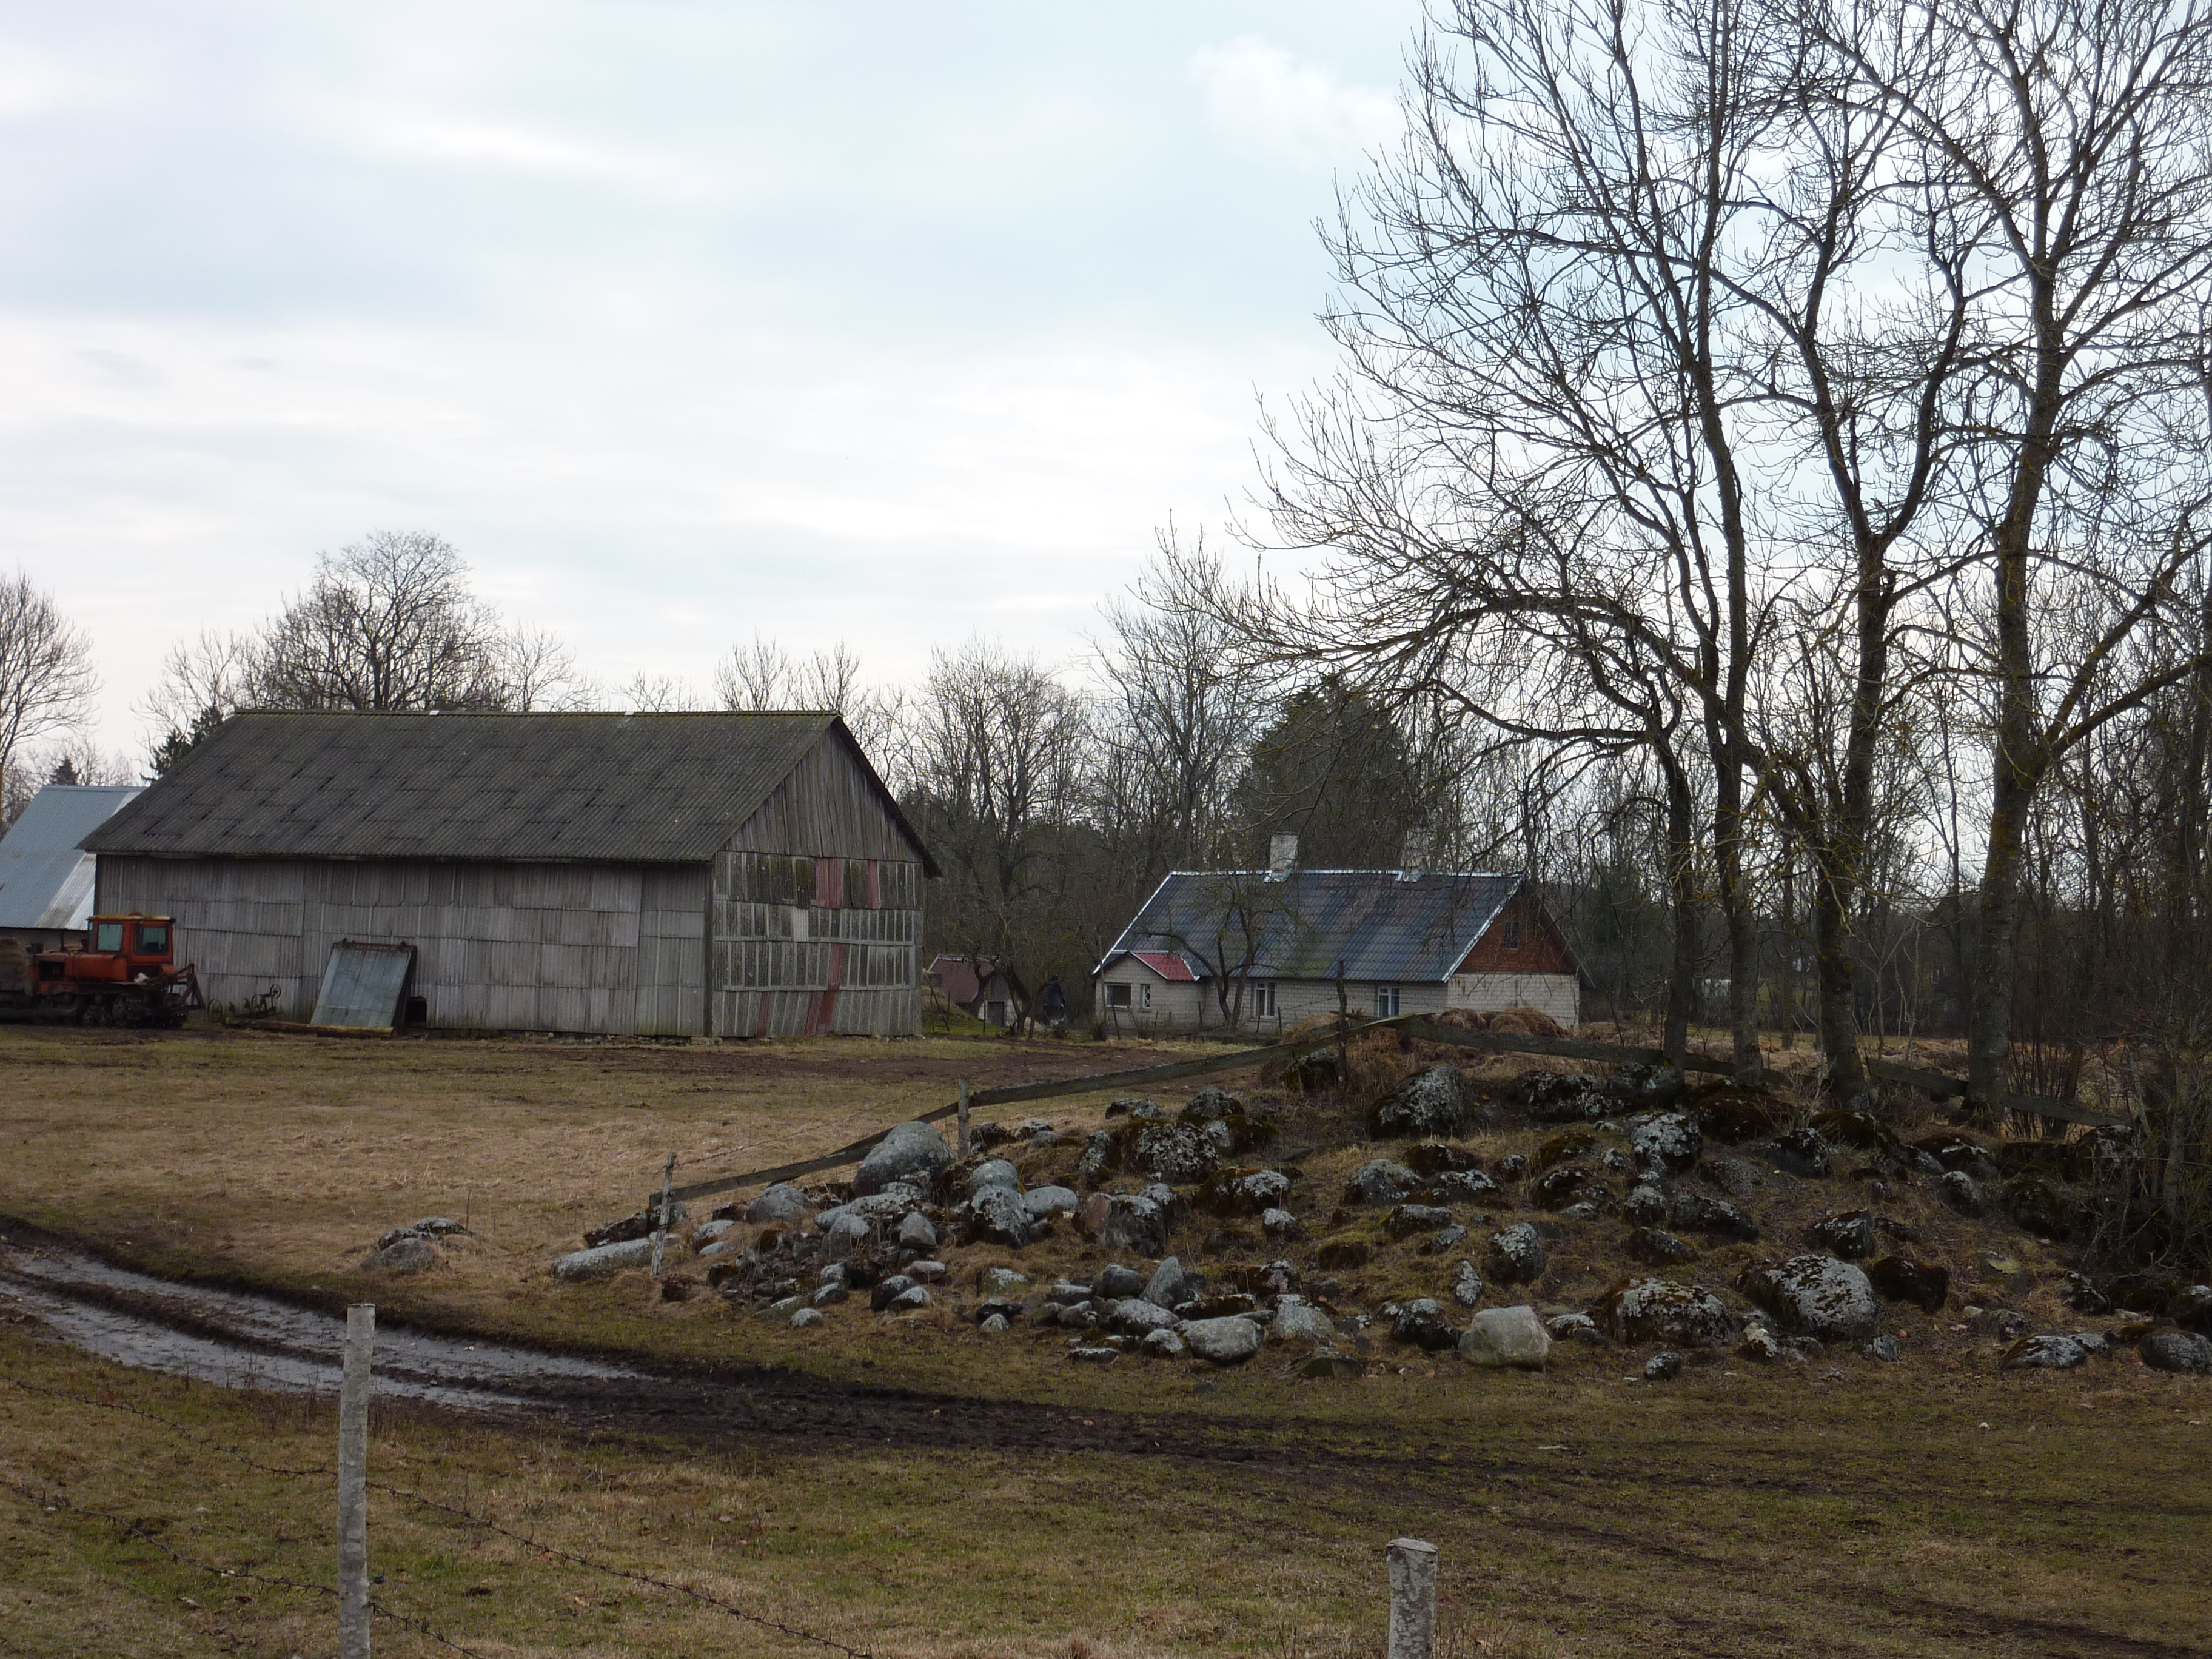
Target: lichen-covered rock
<point x="1961" y="1153"/>
<point x="1507" y="1337"/>
<point x="1662" y="1367"/>
<point x="1733" y="1115"/>
<point x="1648" y="1206"/>
<point x="1576" y="1327"/>
<point x="1180" y="1154"/>
<point x="1666" y="1311"/>
<point x="1379" y="1181"/>
<point x="1116" y="1283"/>
<point x="1422" y="1323"/>
<point x="1517" y="1254"/>
<point x="1713" y="1217"/>
<point x="1848" y="1234"/>
<point x="2044" y="1353"/>
<point x="602" y="1261"/>
<point x="1466" y="1285"/>
<point x="917" y="1232"/>
<point x="1230" y="1340"/>
<point x="1434" y="1102"/>
<point x="1210" y="1105"/>
<point x="1570" y="1183"/>
<point x="2184" y="1351"/>
<point x="1044" y="1202"/>
<point x="1433" y="1158"/>
<point x="997" y="1215"/>
<point x="1511" y="1167"/>
<point x="1801" y="1152"/>
<point x="806" y="1316"/>
<point x="1885" y="1349"/>
<point x="1961" y="1192"/>
<point x="1564" y="1147"/>
<point x="1671" y="1140"/>
<point x="1657" y="1247"/>
<point x="992" y="1172"/>
<point x="1163" y="1344"/>
<point x="1645" y="1085"/>
<point x="999" y="1281"/>
<point x="1549" y="1097"/>
<point x="1137" y="1317"/>
<point x="641" y="1225"/>
<point x="1461" y="1187"/>
<point x="1235" y="1191"/>
<point x="1406" y="1220"/>
<point x="1281" y="1225"/>
<point x="1814" y="1296"/>
<point x="909" y="1150"/>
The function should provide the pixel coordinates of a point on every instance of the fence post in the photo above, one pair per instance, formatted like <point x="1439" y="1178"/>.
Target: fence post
<point x="353" y="1482"/>
<point x="963" y="1117"/>
<point x="1413" y="1598"/>
<point x="660" y="1233"/>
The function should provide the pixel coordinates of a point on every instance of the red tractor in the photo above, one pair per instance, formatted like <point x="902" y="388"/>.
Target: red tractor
<point x="125" y="975"/>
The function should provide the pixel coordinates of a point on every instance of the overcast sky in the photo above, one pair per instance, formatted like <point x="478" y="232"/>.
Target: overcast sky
<point x="891" y="322"/>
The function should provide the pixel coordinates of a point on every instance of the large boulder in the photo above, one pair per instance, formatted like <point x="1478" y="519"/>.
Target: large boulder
<point x="1715" y="1218"/>
<point x="1570" y="1183"/>
<point x="1045" y="1202"/>
<point x="1814" y="1296"/>
<point x="1549" y="1097"/>
<point x="992" y="1172"/>
<point x="1179" y="1154"/>
<point x="1507" y="1336"/>
<point x="1131" y="1222"/>
<point x="998" y="1215"/>
<point x="604" y="1261"/>
<point x="1517" y="1254"/>
<point x="1666" y="1311"/>
<point x="1379" y="1181"/>
<point x="1406" y="1220"/>
<point x="1654" y="1247"/>
<point x="1297" y="1320"/>
<point x="1137" y="1317"/>
<point x="1230" y="1340"/>
<point x="1464" y="1186"/>
<point x="1432" y="1104"/>
<point x="1421" y="1322"/>
<point x="1800" y="1152"/>
<point x="912" y="1151"/>
<point x="781" y="1204"/>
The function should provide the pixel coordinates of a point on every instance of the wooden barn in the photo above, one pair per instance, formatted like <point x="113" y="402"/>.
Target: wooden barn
<point x="663" y="875"/>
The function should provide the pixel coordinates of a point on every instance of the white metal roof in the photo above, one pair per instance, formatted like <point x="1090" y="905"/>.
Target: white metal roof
<point x="46" y="877"/>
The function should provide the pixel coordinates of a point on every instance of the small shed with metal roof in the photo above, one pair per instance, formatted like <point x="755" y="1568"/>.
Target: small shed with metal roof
<point x="665" y="875"/>
<point x="45" y="874"/>
<point x="1265" y="949"/>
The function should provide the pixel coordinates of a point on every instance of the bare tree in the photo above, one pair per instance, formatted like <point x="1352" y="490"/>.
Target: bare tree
<point x="762" y="675"/>
<point x="46" y="677"/>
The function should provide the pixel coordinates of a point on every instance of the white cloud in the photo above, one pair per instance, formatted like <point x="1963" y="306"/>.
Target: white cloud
<point x="445" y="141"/>
<point x="1269" y="102"/>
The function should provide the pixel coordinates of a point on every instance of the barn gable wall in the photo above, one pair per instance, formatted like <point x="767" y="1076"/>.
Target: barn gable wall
<point x="1542" y="949"/>
<point x="816" y="912"/>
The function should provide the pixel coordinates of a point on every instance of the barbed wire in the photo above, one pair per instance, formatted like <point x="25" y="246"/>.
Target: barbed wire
<point x="472" y="1519"/>
<point x="54" y="1501"/>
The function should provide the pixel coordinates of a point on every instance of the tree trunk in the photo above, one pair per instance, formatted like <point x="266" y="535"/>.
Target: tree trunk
<point x="1736" y="914"/>
<point x="1682" y="895"/>
<point x="1832" y="887"/>
<point x="1989" y="1008"/>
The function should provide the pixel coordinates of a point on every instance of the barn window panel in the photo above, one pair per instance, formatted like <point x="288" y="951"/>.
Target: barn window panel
<point x="1117" y="996"/>
<point x="1513" y="933"/>
<point x="1386" y="1002"/>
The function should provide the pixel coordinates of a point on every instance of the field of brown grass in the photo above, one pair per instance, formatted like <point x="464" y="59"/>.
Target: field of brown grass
<point x="1934" y="1508"/>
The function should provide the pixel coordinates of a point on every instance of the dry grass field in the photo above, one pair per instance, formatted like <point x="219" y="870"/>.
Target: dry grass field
<point x="1934" y="1508"/>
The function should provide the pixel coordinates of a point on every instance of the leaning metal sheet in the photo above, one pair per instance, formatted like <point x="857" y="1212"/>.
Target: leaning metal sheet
<point x="364" y="984"/>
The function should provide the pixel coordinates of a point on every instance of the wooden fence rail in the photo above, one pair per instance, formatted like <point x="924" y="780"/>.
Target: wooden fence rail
<point x="1935" y="1083"/>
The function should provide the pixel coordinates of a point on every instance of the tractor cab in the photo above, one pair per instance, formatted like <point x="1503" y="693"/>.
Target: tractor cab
<point x="118" y="949"/>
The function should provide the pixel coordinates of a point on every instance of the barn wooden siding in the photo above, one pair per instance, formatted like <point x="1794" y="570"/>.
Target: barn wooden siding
<point x="501" y="946"/>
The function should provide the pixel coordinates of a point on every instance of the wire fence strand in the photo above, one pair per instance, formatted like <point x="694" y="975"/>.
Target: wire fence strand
<point x="704" y="1598"/>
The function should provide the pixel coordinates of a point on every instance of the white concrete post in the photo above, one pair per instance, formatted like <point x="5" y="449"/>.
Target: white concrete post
<point x="963" y="1117"/>
<point x="353" y="1482"/>
<point x="1413" y="1598"/>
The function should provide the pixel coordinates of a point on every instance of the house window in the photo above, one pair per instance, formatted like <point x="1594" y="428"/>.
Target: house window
<point x="998" y="1014"/>
<point x="1146" y="989"/>
<point x="1386" y="1002"/>
<point x="1259" y="998"/>
<point x="1117" y="996"/>
<point x="1513" y="933"/>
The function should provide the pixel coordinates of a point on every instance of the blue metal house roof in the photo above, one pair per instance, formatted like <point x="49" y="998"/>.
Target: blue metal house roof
<point x="46" y="877"/>
<point x="1298" y="926"/>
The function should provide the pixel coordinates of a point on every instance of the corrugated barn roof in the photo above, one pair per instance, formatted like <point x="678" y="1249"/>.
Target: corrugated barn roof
<point x="633" y="788"/>
<point x="1383" y="928"/>
<point x="46" y="877"/>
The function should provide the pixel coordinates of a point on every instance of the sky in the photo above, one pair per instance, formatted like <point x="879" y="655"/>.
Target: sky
<point x="896" y="324"/>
